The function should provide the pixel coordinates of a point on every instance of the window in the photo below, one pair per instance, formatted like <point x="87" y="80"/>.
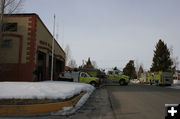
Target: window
<point x="116" y="72"/>
<point x="83" y="75"/>
<point x="110" y="72"/>
<point x="6" y="43"/>
<point x="12" y="27"/>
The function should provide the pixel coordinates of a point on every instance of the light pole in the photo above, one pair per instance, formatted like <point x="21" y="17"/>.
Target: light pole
<point x="2" y="15"/>
<point x="52" y="50"/>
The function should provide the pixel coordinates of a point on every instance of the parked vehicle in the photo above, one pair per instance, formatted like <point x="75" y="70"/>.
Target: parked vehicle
<point x="118" y="76"/>
<point x="158" y="78"/>
<point x="79" y="77"/>
<point x="94" y="72"/>
<point x="163" y="78"/>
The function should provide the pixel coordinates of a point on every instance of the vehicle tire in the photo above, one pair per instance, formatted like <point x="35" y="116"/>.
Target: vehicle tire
<point x="167" y="84"/>
<point x="122" y="82"/>
<point x="93" y="83"/>
<point x="126" y="84"/>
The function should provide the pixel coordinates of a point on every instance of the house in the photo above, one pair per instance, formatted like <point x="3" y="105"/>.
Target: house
<point x="25" y="50"/>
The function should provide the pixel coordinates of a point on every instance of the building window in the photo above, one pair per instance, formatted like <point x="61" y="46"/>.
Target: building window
<point x="6" y="43"/>
<point x="11" y="27"/>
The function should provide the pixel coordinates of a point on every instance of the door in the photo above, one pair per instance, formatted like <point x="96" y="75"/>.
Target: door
<point x="41" y="66"/>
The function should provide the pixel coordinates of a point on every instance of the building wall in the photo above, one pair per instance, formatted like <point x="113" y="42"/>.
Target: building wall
<point x="18" y="62"/>
<point x="9" y="54"/>
<point x="22" y="31"/>
<point x="44" y="44"/>
<point x="13" y="65"/>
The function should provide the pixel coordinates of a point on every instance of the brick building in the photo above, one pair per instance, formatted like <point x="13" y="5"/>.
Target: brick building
<point x="26" y="47"/>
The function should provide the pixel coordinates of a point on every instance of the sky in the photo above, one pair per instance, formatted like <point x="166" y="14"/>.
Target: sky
<point x="111" y="32"/>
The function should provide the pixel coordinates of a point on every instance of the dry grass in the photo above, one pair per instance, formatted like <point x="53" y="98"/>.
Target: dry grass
<point x="32" y="101"/>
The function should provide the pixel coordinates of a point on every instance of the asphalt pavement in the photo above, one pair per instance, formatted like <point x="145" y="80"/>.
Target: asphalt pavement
<point x="141" y="101"/>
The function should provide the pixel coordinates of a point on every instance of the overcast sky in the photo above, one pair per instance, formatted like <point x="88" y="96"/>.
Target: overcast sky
<point x="112" y="32"/>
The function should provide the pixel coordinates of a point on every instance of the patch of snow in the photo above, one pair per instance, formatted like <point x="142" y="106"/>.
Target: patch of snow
<point x="175" y="86"/>
<point x="41" y="90"/>
<point x="71" y="110"/>
<point x="135" y="81"/>
<point x="176" y="81"/>
<point x="46" y="89"/>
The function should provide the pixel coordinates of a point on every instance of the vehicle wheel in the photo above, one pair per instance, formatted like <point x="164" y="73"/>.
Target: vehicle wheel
<point x="93" y="84"/>
<point x="159" y="84"/>
<point x="122" y="82"/>
<point x="167" y="84"/>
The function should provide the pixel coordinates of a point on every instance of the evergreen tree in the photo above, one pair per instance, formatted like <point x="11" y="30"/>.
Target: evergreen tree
<point x="161" y="59"/>
<point x="140" y="71"/>
<point x="88" y="64"/>
<point x="115" y="68"/>
<point x="129" y="70"/>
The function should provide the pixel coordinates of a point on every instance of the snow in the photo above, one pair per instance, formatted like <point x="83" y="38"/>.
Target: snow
<point x="46" y="89"/>
<point x="71" y="110"/>
<point x="41" y="90"/>
<point x="176" y="81"/>
<point x="135" y="81"/>
<point x="175" y="86"/>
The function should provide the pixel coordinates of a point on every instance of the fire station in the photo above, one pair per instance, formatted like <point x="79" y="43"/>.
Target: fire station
<point x="26" y="50"/>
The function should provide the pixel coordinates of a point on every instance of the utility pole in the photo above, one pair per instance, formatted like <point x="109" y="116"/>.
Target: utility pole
<point x="2" y="15"/>
<point x="52" y="50"/>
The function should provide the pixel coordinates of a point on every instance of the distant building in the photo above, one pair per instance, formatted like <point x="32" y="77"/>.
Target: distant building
<point x="176" y="75"/>
<point x="25" y="50"/>
<point x="67" y="68"/>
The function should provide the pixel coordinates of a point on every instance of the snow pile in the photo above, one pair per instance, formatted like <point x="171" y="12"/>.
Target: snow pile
<point x="47" y="89"/>
<point x="176" y="81"/>
<point x="71" y="110"/>
<point x="41" y="90"/>
<point x="135" y="81"/>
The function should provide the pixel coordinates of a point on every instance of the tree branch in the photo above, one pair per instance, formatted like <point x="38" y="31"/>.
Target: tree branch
<point x="10" y="12"/>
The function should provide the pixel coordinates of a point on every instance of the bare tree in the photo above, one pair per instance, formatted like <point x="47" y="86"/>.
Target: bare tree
<point x="138" y="68"/>
<point x="67" y="50"/>
<point x="174" y="60"/>
<point x="72" y="63"/>
<point x="9" y="7"/>
<point x="94" y="64"/>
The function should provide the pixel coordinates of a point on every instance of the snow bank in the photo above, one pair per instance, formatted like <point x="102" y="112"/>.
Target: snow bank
<point x="41" y="90"/>
<point x="176" y="81"/>
<point x="135" y="81"/>
<point x="71" y="110"/>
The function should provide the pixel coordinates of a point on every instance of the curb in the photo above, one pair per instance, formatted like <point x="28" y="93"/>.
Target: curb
<point x="112" y="105"/>
<point x="37" y="109"/>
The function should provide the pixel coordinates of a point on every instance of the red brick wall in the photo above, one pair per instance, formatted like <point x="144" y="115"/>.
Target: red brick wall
<point x="22" y="72"/>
